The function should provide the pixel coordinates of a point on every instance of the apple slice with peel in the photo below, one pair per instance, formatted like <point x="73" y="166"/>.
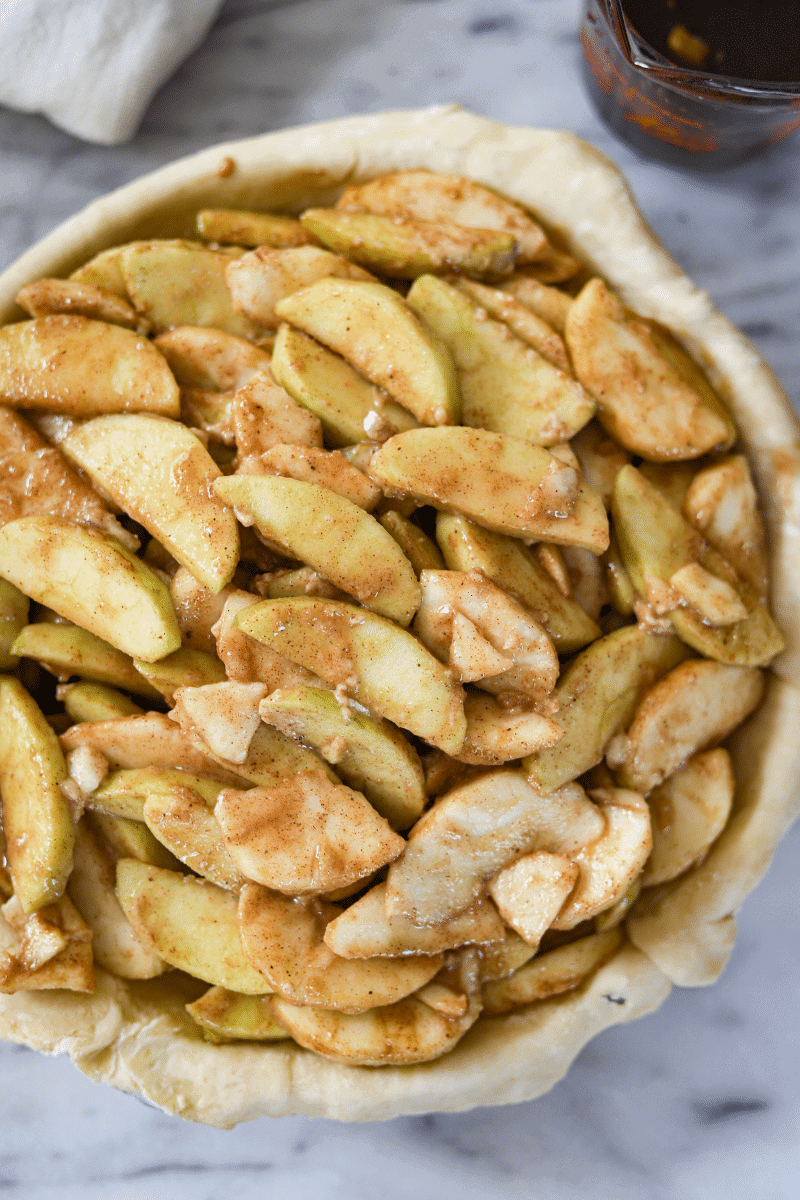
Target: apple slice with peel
<point x="371" y="756"/>
<point x="331" y="534"/>
<point x="80" y="367"/>
<point x="501" y="482"/>
<point x="497" y="735"/>
<point x="348" y="405"/>
<point x="95" y="702"/>
<point x="381" y="665"/>
<point x="552" y="973"/>
<point x="259" y="280"/>
<point x="161" y="474"/>
<point x="506" y="562"/>
<point x="597" y="696"/>
<point x="37" y="822"/>
<point x="283" y="938"/>
<point x="67" y="650"/>
<point x="506" y="384"/>
<point x="381" y="336"/>
<point x="475" y="830"/>
<point x="13" y="619"/>
<point x="189" y="923"/>
<point x="123" y="793"/>
<point x="89" y="578"/>
<point x="183" y="822"/>
<point x="228" y="1016"/>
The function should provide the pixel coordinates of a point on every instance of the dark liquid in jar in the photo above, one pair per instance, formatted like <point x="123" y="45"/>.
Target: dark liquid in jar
<point x="746" y="39"/>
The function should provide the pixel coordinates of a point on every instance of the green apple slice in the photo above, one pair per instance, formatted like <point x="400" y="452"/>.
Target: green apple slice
<point x="250" y="228"/>
<point x="160" y="473"/>
<point x="421" y="552"/>
<point x="384" y="667"/>
<point x="430" y="196"/>
<point x="13" y="618"/>
<point x="67" y="650"/>
<point x="89" y="578"/>
<point x="512" y="566"/>
<point x="597" y="696"/>
<point x="655" y="543"/>
<point x="503" y="483"/>
<point x="523" y="321"/>
<point x="183" y="822"/>
<point x="331" y="534"/>
<point x="37" y="822"/>
<point x="652" y="397"/>
<point x="375" y="330"/>
<point x="257" y="281"/>
<point x="347" y="404"/>
<point x="180" y="285"/>
<point x="79" y="367"/>
<point x="228" y="1016"/>
<point x="408" y="248"/>
<point x="371" y="756"/>
<point x="506" y="385"/>
<point x="129" y="838"/>
<point x="191" y="924"/>
<point x="96" y="702"/>
<point x="123" y="793"/>
<point x="549" y="303"/>
<point x="183" y="668"/>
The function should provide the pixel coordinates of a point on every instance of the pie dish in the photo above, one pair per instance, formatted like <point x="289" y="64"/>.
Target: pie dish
<point x="136" y="1036"/>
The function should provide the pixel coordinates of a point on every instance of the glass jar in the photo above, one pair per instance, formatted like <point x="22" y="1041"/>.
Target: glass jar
<point x="685" y="115"/>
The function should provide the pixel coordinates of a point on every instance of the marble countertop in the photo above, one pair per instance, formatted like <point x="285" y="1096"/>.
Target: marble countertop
<point x="699" y="1101"/>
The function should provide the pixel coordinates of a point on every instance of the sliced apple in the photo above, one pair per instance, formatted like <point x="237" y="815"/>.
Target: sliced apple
<point x="305" y="834"/>
<point x="549" y="303"/>
<point x="250" y="228"/>
<point x="25" y="964"/>
<point x="92" y="580"/>
<point x="552" y="973"/>
<point x="283" y="938"/>
<point x="690" y="810"/>
<point x="181" y="285"/>
<point x="184" y="668"/>
<point x="530" y="892"/>
<point x="228" y="1016"/>
<point x="524" y="659"/>
<point x="36" y="480"/>
<point x="600" y="457"/>
<point x="419" y="549"/>
<point x="223" y="715"/>
<point x="37" y="822"/>
<point x="209" y="358"/>
<point x="13" y="619"/>
<point x="646" y="398"/>
<point x="408" y="248"/>
<point x="115" y="946"/>
<point x="183" y="822"/>
<point x="512" y="566"/>
<point x="264" y="414"/>
<point x="328" y="468"/>
<point x="348" y="405"/>
<point x="333" y="535"/>
<point x="378" y="333"/>
<point x="191" y="924"/>
<point x="128" y="838"/>
<point x="503" y="483"/>
<point x="162" y="475"/>
<point x="95" y="702"/>
<point x="476" y="829"/>
<point x="497" y="735"/>
<point x="67" y="650"/>
<point x="51" y="297"/>
<point x="430" y="196"/>
<point x="364" y="930"/>
<point x="123" y="793"/>
<point x="249" y="661"/>
<point x="597" y="696"/>
<point x="506" y="384"/>
<point x="520" y="319"/>
<point x="371" y="756"/>
<point x="80" y="367"/>
<point x="721" y="502"/>
<point x="259" y="280"/>
<point x="607" y="868"/>
<point x="693" y="707"/>
<point x="381" y="665"/>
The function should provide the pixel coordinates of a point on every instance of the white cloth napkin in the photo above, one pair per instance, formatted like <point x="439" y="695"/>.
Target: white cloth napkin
<point x="92" y="66"/>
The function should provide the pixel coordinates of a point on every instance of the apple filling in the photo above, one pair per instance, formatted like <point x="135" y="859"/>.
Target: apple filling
<point x="401" y="586"/>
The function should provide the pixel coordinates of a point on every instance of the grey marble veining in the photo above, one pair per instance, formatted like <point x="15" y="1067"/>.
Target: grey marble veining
<point x="699" y="1101"/>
